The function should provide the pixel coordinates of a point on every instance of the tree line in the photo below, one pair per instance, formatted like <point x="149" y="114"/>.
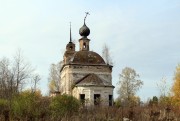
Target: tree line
<point x="15" y="74"/>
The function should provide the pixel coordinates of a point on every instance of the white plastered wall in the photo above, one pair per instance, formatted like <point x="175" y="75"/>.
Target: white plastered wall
<point x="90" y="91"/>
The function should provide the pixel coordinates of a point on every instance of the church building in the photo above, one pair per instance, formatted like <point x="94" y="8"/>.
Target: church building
<point x="84" y="73"/>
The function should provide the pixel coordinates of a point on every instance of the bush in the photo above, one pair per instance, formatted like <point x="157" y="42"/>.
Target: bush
<point x="25" y="106"/>
<point x="64" y="105"/>
<point x="3" y="105"/>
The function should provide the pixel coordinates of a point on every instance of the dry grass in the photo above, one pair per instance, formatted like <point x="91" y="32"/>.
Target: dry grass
<point x="117" y="114"/>
<point x="99" y="113"/>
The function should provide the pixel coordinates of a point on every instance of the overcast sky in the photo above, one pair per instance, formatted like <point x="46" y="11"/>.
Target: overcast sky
<point x="141" y="34"/>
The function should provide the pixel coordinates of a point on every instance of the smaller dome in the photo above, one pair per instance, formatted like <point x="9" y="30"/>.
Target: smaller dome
<point x="84" y="31"/>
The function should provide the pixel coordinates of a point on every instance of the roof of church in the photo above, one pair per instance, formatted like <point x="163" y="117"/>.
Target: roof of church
<point x="87" y="57"/>
<point x="91" y="80"/>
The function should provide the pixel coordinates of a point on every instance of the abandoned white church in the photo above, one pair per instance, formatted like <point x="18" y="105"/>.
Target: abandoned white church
<point x="84" y="73"/>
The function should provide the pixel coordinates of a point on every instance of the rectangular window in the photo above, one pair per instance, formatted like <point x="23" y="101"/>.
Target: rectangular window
<point x="110" y="100"/>
<point x="82" y="98"/>
<point x="97" y="99"/>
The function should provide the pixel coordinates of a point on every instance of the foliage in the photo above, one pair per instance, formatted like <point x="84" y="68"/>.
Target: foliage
<point x="64" y="105"/>
<point x="54" y="77"/>
<point x="129" y="84"/>
<point x="4" y="104"/>
<point x="153" y="101"/>
<point x="118" y="103"/>
<point x="176" y="86"/>
<point x="62" y="108"/>
<point x="165" y="101"/>
<point x="135" y="100"/>
<point x="26" y="105"/>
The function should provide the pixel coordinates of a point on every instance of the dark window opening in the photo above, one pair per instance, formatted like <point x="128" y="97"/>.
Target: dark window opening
<point x="82" y="98"/>
<point x="71" y="47"/>
<point x="84" y="45"/>
<point x="110" y="100"/>
<point x="97" y="99"/>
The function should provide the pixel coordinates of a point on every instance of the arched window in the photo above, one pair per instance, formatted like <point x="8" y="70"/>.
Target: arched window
<point x="71" y="47"/>
<point x="84" y="45"/>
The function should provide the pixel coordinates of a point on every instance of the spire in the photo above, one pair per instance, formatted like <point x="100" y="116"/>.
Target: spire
<point x="70" y="33"/>
<point x="70" y="46"/>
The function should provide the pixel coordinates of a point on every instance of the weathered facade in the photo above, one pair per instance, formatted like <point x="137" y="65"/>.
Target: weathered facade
<point x="84" y="73"/>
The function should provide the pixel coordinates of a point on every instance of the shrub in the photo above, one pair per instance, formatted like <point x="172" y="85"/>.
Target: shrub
<point x="3" y="104"/>
<point x="25" y="105"/>
<point x="64" y="105"/>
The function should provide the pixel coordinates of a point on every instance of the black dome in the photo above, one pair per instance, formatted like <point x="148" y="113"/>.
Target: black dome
<point x="84" y="31"/>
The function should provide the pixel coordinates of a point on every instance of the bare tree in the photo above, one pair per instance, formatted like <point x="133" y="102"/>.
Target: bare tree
<point x="54" y="77"/>
<point x="164" y="88"/>
<point x="129" y="84"/>
<point x="6" y="80"/>
<point x="22" y="71"/>
<point x="106" y="55"/>
<point x="14" y="74"/>
<point x="36" y="78"/>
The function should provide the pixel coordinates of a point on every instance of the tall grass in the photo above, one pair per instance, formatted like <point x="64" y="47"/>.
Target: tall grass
<point x="41" y="110"/>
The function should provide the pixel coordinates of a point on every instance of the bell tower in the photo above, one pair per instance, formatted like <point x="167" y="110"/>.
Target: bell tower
<point x="70" y="46"/>
<point x="70" y="49"/>
<point x="84" y="31"/>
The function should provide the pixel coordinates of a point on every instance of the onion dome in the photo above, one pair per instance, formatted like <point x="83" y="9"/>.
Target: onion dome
<point x="84" y="31"/>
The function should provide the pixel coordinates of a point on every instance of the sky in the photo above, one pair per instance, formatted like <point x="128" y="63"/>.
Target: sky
<point x="141" y="34"/>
